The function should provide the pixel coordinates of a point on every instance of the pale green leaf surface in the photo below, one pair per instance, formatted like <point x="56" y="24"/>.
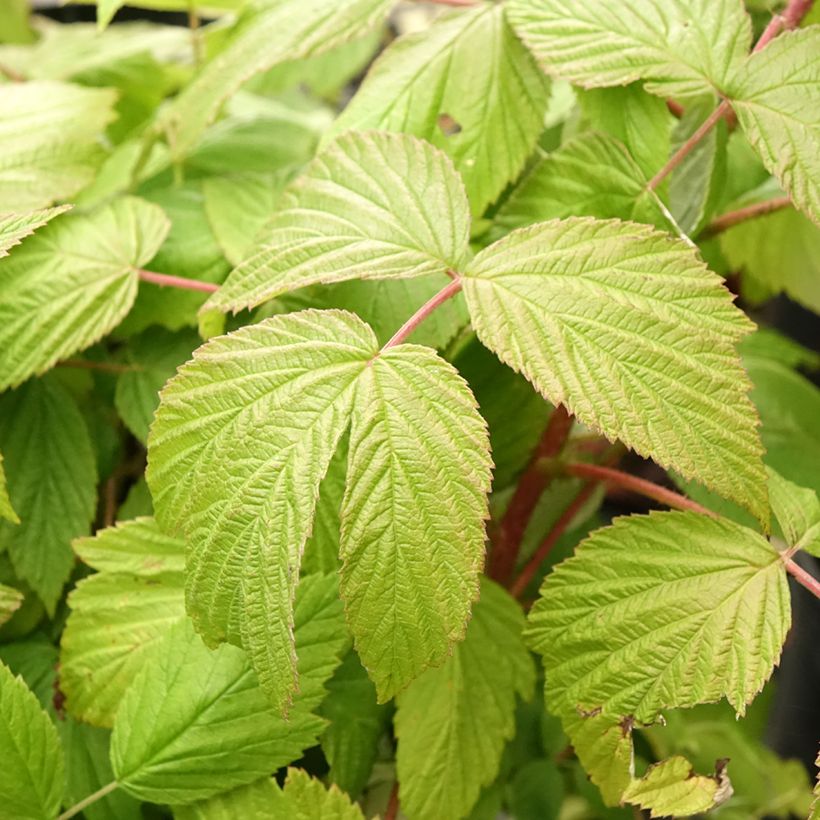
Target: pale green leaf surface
<point x="630" y="331"/>
<point x="661" y="611"/>
<point x="10" y="600"/>
<point x="16" y="227"/>
<point x="306" y="798"/>
<point x="767" y="343"/>
<point x="257" y="801"/>
<point x="679" y="48"/>
<point x="322" y="548"/>
<point x="412" y="538"/>
<point x="467" y="85"/>
<point x="243" y="437"/>
<point x="115" y="626"/>
<point x="6" y="509"/>
<point x="776" y="95"/>
<point x="591" y="175"/>
<point x="52" y="483"/>
<point x="797" y="510"/>
<point x="49" y="141"/>
<point x="31" y="777"/>
<point x="35" y="661"/>
<point x="195" y="722"/>
<point x="71" y="283"/>
<point x="370" y="206"/>
<point x="452" y="722"/>
<point x="267" y="34"/>
<point x="155" y="356"/>
<point x="137" y="547"/>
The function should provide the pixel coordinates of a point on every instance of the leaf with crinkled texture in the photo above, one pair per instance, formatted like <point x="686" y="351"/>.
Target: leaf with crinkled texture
<point x="49" y="141"/>
<point x="306" y="798"/>
<point x="256" y="801"/>
<point x="243" y="436"/>
<point x="137" y="547"/>
<point x="16" y="227"/>
<point x="154" y="357"/>
<point x="629" y="330"/>
<point x="71" y="283"/>
<point x="31" y="777"/>
<point x="267" y="34"/>
<point x="679" y="48"/>
<point x="672" y="789"/>
<point x="211" y="726"/>
<point x="661" y="611"/>
<point x="412" y="538"/>
<point x="452" y="722"/>
<point x="52" y="483"/>
<point x="797" y="510"/>
<point x="6" y="508"/>
<point x="370" y="206"/>
<point x="591" y="175"/>
<point x="467" y="85"/>
<point x="776" y="95"/>
<point x="10" y="600"/>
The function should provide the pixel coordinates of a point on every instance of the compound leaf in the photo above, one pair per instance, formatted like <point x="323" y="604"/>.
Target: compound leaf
<point x="612" y="319"/>
<point x="71" y="283"/>
<point x="243" y="436"/>
<point x="680" y="48"/>
<point x="467" y="85"/>
<point x="370" y="206"/>
<point x="452" y="722"/>
<point x="412" y="538"/>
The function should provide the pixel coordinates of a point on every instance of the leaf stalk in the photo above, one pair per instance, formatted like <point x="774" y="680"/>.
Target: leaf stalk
<point x="87" y="801"/>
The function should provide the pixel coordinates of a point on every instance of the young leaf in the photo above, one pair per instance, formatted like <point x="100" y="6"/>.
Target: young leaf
<point x="211" y="726"/>
<point x="243" y="436"/>
<point x="266" y="35"/>
<point x="797" y="511"/>
<point x="591" y="175"/>
<point x="261" y="800"/>
<point x="16" y="227"/>
<point x="71" y="283"/>
<point x="776" y="95"/>
<point x="31" y="777"/>
<point x="661" y="611"/>
<point x="10" y="600"/>
<point x="467" y="85"/>
<point x="452" y="722"/>
<point x="612" y="318"/>
<point x="52" y="483"/>
<point x="671" y="788"/>
<point x="49" y="145"/>
<point x="6" y="509"/>
<point x="680" y="48"/>
<point x="370" y="206"/>
<point x="412" y="538"/>
<point x="305" y="798"/>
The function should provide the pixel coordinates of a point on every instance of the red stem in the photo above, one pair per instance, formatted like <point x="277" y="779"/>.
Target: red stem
<point x="164" y="280"/>
<point x="641" y="486"/>
<point x="532" y="483"/>
<point x="729" y="220"/>
<point x="802" y="577"/>
<point x="392" y="803"/>
<point x="423" y="312"/>
<point x="794" y="12"/>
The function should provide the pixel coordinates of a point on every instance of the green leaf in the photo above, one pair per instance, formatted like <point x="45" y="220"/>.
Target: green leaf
<point x="537" y="791"/>
<point x="52" y="483"/>
<point x="71" y="283"/>
<point x="258" y="801"/>
<point x="322" y="548"/>
<point x="776" y="95"/>
<point x="671" y="788"/>
<point x="591" y="175"/>
<point x="611" y="319"/>
<point x="467" y="85"/>
<point x="16" y="227"/>
<point x="155" y="356"/>
<point x="797" y="511"/>
<point x="779" y="252"/>
<point x="412" y="539"/>
<point x="679" y="48"/>
<point x="370" y="206"/>
<point x="767" y="343"/>
<point x="212" y="728"/>
<point x="305" y="798"/>
<point x="241" y="485"/>
<point x="452" y="722"/>
<point x="355" y="724"/>
<point x="266" y="35"/>
<point x="49" y="146"/>
<point x="815" y="806"/>
<point x="31" y="777"/>
<point x="6" y="509"/>
<point x="35" y="661"/>
<point x="661" y="611"/>
<point x="10" y="600"/>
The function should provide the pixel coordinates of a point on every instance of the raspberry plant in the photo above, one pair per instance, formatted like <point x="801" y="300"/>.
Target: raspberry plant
<point x="316" y="369"/>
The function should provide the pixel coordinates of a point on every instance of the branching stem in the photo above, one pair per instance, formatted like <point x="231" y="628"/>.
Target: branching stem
<point x="732" y="218"/>
<point x="166" y="281"/>
<point x="87" y="801"/>
<point x="423" y="312"/>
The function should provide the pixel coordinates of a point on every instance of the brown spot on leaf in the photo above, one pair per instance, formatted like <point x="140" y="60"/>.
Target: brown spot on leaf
<point x="449" y="126"/>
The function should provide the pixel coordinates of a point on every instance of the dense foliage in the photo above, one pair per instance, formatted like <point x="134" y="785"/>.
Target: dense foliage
<point x="306" y="311"/>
